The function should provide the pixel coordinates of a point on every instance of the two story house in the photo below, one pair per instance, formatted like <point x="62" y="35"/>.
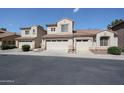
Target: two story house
<point x="31" y="36"/>
<point x="59" y="36"/>
<point x="62" y="36"/>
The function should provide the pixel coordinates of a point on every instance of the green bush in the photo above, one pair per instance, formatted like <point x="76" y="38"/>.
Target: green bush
<point x="5" y="47"/>
<point x="114" y="50"/>
<point x="26" y="47"/>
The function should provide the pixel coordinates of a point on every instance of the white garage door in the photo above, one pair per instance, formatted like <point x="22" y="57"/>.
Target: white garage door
<point x="57" y="44"/>
<point x="21" y="43"/>
<point x="83" y="44"/>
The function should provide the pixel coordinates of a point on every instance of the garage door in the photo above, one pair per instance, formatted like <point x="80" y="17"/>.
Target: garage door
<point x="83" y="44"/>
<point x="21" y="43"/>
<point x="57" y="44"/>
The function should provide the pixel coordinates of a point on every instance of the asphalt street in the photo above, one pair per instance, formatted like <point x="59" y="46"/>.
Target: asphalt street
<point x="46" y="70"/>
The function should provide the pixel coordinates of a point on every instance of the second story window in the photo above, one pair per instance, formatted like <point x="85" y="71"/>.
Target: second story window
<point x="33" y="31"/>
<point x="53" y="29"/>
<point x="26" y="32"/>
<point x="64" y="27"/>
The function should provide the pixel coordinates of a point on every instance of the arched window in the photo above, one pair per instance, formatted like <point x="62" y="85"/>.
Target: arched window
<point x="104" y="41"/>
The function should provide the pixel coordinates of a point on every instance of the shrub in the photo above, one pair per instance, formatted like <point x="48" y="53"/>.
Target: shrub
<point x="26" y="47"/>
<point x="5" y="47"/>
<point x="114" y="50"/>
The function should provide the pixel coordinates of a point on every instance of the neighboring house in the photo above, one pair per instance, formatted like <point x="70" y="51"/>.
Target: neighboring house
<point x="119" y="29"/>
<point x="62" y="36"/>
<point x="7" y="38"/>
<point x="31" y="36"/>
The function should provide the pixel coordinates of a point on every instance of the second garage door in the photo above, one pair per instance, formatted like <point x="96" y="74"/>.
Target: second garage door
<point x="57" y="44"/>
<point x="83" y="44"/>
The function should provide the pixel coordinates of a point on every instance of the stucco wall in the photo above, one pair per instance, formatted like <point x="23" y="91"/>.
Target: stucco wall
<point x="120" y="33"/>
<point x="52" y="32"/>
<point x="31" y="33"/>
<point x="70" y="44"/>
<point x="58" y="28"/>
<point x="40" y="33"/>
<point x="113" y="41"/>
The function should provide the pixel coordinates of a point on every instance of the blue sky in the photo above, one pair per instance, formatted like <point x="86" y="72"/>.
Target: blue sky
<point x="84" y="18"/>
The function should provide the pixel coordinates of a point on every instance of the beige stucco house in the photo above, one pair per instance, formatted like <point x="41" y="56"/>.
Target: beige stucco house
<point x="31" y="36"/>
<point x="62" y="36"/>
<point x="7" y="38"/>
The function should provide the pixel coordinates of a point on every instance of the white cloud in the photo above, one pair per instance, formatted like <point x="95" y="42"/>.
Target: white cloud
<point x="75" y="10"/>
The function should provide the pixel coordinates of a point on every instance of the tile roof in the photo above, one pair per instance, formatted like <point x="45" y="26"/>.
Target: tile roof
<point x="23" y="28"/>
<point x="86" y="32"/>
<point x="2" y="31"/>
<point x="25" y="38"/>
<point x="55" y="24"/>
<point x="6" y="34"/>
<point x="118" y="24"/>
<point x="76" y="33"/>
<point x="58" y="36"/>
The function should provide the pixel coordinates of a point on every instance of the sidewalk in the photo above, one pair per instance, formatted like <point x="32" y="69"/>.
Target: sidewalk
<point x="63" y="54"/>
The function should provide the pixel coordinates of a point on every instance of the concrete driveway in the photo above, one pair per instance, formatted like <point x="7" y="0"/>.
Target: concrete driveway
<point x="59" y="53"/>
<point x="45" y="53"/>
<point x="46" y="70"/>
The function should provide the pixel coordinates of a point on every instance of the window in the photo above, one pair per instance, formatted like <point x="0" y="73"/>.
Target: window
<point x="53" y="40"/>
<point x="78" y="40"/>
<point x="33" y="31"/>
<point x="85" y="40"/>
<point x="64" y="28"/>
<point x="82" y="40"/>
<point x="26" y="32"/>
<point x="53" y="29"/>
<point x="26" y="41"/>
<point x="65" y="40"/>
<point x="104" y="41"/>
<point x="59" y="40"/>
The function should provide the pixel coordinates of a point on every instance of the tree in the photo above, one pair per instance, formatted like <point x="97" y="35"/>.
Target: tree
<point x="115" y="22"/>
<point x="3" y="29"/>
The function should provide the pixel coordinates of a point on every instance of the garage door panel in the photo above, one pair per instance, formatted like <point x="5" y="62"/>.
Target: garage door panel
<point x="83" y="44"/>
<point x="57" y="45"/>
